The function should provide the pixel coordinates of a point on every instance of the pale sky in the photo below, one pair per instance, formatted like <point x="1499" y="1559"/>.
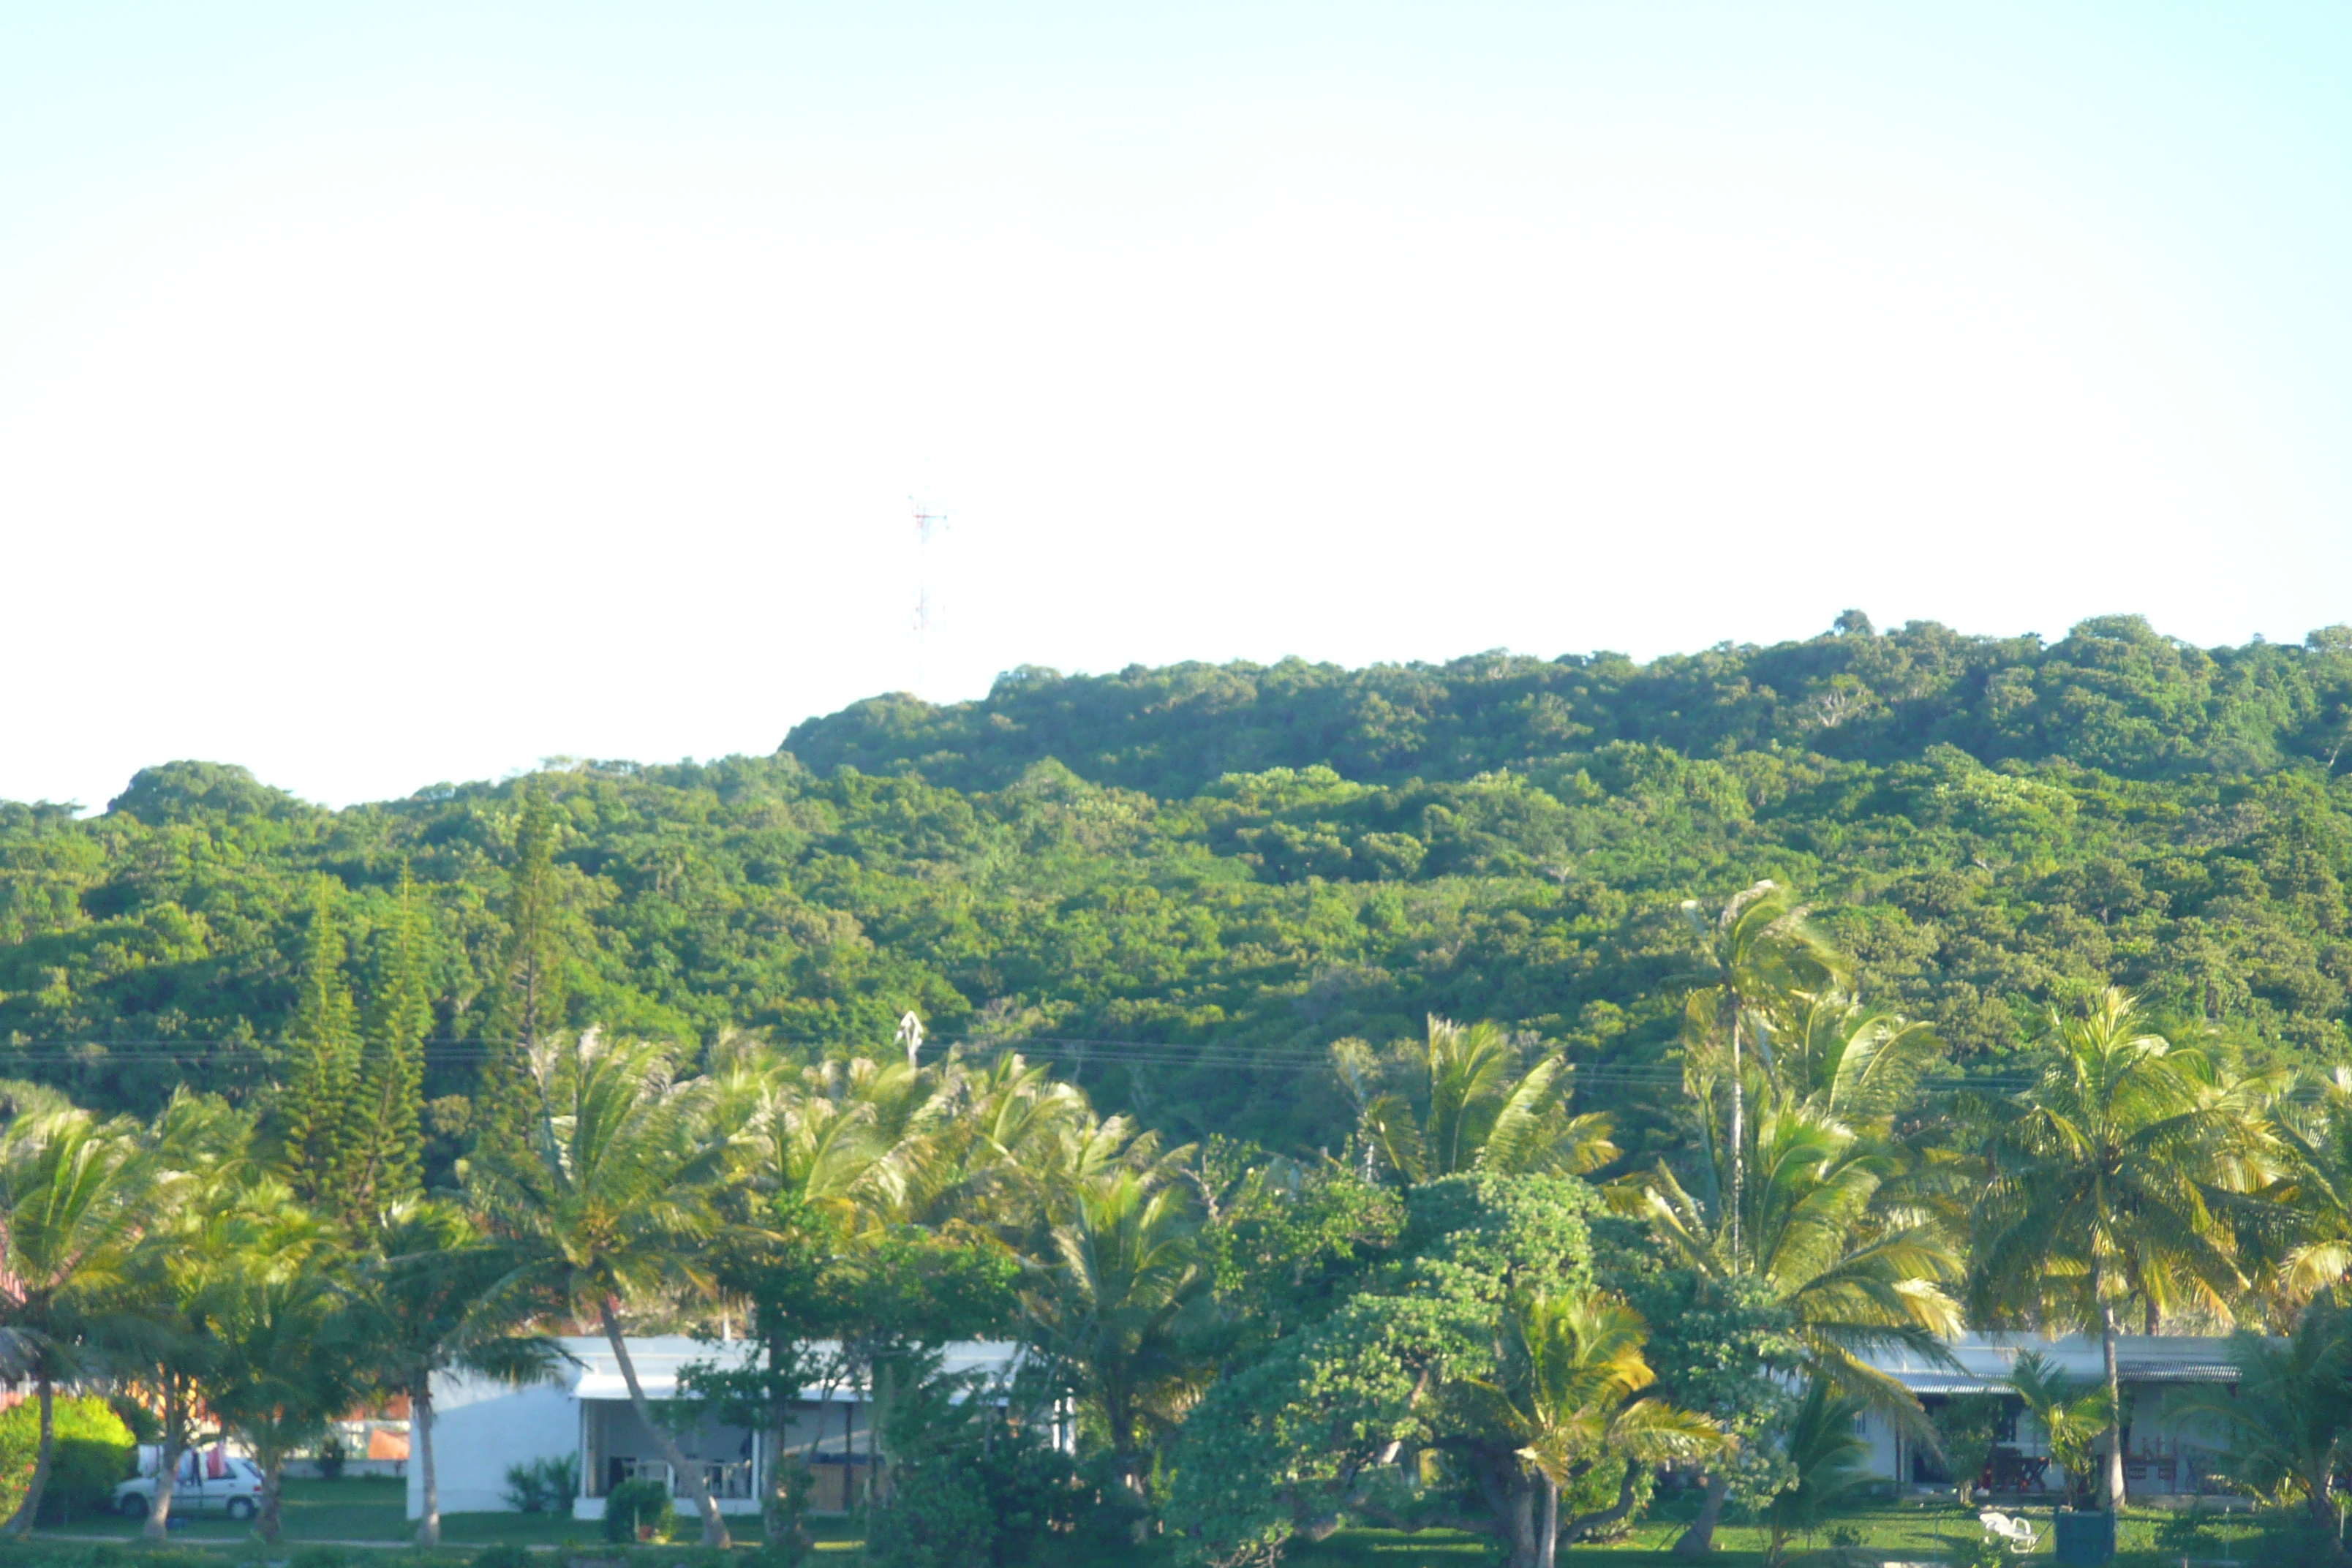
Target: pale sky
<point x="397" y="394"/>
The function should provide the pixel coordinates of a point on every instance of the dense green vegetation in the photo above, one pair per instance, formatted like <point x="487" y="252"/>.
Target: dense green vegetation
<point x="1474" y="1120"/>
<point x="1236" y="865"/>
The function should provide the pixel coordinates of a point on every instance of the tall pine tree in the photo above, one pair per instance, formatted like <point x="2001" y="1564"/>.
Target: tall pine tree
<point x="527" y="1005"/>
<point x="320" y="1059"/>
<point x="381" y="1155"/>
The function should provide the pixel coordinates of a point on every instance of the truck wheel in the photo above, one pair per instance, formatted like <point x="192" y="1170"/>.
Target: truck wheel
<point x="132" y="1505"/>
<point x="239" y="1508"/>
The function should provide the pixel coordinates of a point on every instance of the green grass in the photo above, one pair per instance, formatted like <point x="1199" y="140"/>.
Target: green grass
<point x="372" y="1509"/>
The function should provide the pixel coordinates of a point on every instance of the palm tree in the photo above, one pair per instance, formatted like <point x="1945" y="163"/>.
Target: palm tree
<point x="2116" y="1176"/>
<point x="1861" y="1065"/>
<point x="1112" y="1308"/>
<point x="429" y="1304"/>
<point x="1569" y="1390"/>
<point x="2290" y="1413"/>
<point x="2073" y="1417"/>
<point x="1760" y="955"/>
<point x="1855" y="1273"/>
<point x="2312" y="1195"/>
<point x="73" y="1193"/>
<point x="1831" y="1462"/>
<point x="192" y="1243"/>
<point x="1477" y="1110"/>
<point x="290" y="1358"/>
<point x="605" y="1199"/>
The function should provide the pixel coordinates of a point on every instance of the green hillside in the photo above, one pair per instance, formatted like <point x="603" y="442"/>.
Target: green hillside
<point x="1186" y="882"/>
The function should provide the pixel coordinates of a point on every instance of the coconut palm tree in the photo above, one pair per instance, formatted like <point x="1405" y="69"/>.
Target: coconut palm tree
<point x="1476" y="1111"/>
<point x="1829" y="1460"/>
<point x="289" y="1359"/>
<point x="1112" y="1306"/>
<point x="1855" y="1273"/>
<point x="1568" y="1387"/>
<point x="2118" y="1177"/>
<point x="430" y="1301"/>
<point x="2072" y="1416"/>
<point x="2311" y="1250"/>
<point x="2290" y="1413"/>
<point x="73" y="1194"/>
<point x="192" y="1243"/>
<point x="1860" y="1065"/>
<point x="1758" y="957"/>
<point x="605" y="1199"/>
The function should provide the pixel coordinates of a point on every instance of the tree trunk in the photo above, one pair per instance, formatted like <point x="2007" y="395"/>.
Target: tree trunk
<point x="273" y="1487"/>
<point x="773" y="1524"/>
<point x="714" y="1529"/>
<point x="1738" y="1146"/>
<point x="1547" y="1538"/>
<point x="420" y="1422"/>
<point x="20" y="1523"/>
<point x="1583" y="1526"/>
<point x="1522" y="1522"/>
<point x="167" y="1459"/>
<point x="1699" y="1539"/>
<point x="2115" y="1487"/>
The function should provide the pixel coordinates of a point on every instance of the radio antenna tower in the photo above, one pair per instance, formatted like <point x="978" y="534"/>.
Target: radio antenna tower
<point x="929" y="524"/>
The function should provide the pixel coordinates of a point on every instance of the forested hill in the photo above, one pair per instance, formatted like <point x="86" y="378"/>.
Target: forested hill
<point x="2114" y="696"/>
<point x="1206" y="873"/>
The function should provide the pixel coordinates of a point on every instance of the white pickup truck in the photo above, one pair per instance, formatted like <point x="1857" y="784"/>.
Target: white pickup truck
<point x="208" y="1483"/>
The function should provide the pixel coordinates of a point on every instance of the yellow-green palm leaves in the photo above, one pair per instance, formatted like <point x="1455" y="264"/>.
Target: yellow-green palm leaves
<point x="1470" y="1108"/>
<point x="73" y="1191"/>
<point x="1758" y="957"/>
<point x="1127" y="1268"/>
<point x="1568" y="1386"/>
<point x="1855" y="1277"/>
<point x="2116" y="1178"/>
<point x="605" y="1198"/>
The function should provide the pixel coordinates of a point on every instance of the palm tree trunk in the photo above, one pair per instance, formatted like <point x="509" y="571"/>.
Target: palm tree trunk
<point x="1738" y="1142"/>
<point x="714" y="1529"/>
<point x="420" y="1414"/>
<point x="20" y="1523"/>
<point x="1699" y="1539"/>
<point x="273" y="1491"/>
<point x="167" y="1459"/>
<point x="1548" y="1541"/>
<point x="2115" y="1488"/>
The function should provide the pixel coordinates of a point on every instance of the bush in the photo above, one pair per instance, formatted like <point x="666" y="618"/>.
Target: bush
<point x="543" y="1486"/>
<point x="505" y="1554"/>
<point x="639" y="1511"/>
<point x="94" y="1450"/>
<point x="938" y="1517"/>
<point x="320" y="1557"/>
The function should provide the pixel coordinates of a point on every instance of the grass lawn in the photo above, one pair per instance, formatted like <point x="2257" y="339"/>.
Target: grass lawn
<point x="371" y="1510"/>
<point x="1903" y="1530"/>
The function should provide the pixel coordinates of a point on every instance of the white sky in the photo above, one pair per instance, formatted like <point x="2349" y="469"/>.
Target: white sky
<point x="398" y="394"/>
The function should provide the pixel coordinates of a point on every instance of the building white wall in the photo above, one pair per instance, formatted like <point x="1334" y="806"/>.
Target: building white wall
<point x="478" y="1429"/>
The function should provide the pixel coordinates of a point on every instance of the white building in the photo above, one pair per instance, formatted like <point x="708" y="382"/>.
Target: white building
<point x="2166" y="1450"/>
<point x="481" y="1428"/>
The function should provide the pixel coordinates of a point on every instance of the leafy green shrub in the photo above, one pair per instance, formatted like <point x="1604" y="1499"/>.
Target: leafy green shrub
<point x="322" y="1557"/>
<point x="639" y="1510"/>
<point x="936" y="1517"/>
<point x="94" y="1450"/>
<point x="543" y="1486"/>
<point x="505" y="1554"/>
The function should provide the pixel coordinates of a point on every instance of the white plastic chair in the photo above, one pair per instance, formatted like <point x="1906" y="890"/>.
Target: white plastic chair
<point x="2020" y="1537"/>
